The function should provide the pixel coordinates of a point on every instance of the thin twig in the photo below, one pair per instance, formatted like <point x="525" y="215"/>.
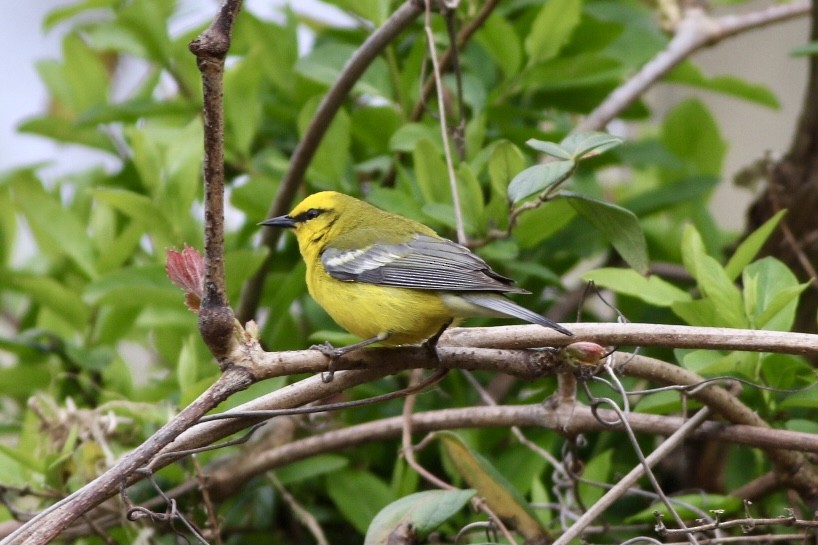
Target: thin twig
<point x="408" y="449"/>
<point x="210" y="510"/>
<point x="444" y="130"/>
<point x="630" y="479"/>
<point x="304" y="517"/>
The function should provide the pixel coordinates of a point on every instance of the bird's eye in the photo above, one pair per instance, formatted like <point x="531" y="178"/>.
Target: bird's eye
<point x="312" y="213"/>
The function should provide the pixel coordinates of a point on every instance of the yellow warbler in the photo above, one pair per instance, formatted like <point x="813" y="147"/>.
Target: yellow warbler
<point x="389" y="279"/>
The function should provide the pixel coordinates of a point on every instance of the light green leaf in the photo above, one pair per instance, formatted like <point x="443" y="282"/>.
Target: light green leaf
<point x="499" y="39"/>
<point x="422" y="511"/>
<point x="406" y="137"/>
<point x="186" y="368"/>
<point x="52" y="294"/>
<point x="618" y="225"/>
<point x="652" y="289"/>
<point x="505" y="162"/>
<point x="750" y="246"/>
<point x="598" y="470"/>
<point x="539" y="177"/>
<point x="552" y="29"/>
<point x="581" y="144"/>
<point x="549" y="148"/>
<point x="691" y="132"/>
<point x="430" y="173"/>
<point x="771" y="293"/>
<point x="56" y="227"/>
<point x="137" y="207"/>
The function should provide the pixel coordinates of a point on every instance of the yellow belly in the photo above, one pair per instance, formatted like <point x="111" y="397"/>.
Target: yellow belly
<point x="366" y="310"/>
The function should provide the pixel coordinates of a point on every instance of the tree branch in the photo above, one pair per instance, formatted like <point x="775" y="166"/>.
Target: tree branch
<point x="215" y="315"/>
<point x="696" y="30"/>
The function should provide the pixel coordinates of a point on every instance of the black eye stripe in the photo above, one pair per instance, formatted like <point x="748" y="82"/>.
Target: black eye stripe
<point x="310" y="214"/>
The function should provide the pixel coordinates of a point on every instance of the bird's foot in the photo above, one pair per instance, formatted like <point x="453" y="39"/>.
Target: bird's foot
<point x="333" y="354"/>
<point x="430" y="344"/>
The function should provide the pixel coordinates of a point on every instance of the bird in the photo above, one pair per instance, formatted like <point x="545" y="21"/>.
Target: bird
<point x="388" y="279"/>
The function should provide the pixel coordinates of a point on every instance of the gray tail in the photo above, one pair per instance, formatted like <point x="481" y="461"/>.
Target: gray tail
<point x="510" y="308"/>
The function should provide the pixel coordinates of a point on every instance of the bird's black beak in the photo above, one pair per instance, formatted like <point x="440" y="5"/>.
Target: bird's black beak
<point x="280" y="221"/>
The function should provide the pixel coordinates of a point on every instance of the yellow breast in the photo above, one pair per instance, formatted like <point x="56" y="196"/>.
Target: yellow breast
<point x="367" y="310"/>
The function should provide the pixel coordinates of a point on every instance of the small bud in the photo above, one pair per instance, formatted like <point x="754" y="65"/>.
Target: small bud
<point x="583" y="353"/>
<point x="186" y="270"/>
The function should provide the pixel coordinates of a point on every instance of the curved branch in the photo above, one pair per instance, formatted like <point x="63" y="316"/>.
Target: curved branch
<point x="696" y="30"/>
<point x="306" y="148"/>
<point x="791" y="467"/>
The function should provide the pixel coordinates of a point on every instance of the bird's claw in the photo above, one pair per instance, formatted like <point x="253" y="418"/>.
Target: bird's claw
<point x="333" y="354"/>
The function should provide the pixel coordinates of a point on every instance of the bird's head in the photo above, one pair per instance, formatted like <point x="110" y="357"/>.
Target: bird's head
<point x="317" y="218"/>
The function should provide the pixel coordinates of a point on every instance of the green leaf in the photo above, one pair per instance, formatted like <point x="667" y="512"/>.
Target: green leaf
<point x="136" y="286"/>
<point x="406" y="137"/>
<point x="331" y="159"/>
<point x="652" y="289"/>
<point x="618" y="225"/>
<point x="242" y="102"/>
<point x="499" y="494"/>
<point x="359" y="496"/>
<point x="56" y="227"/>
<point x="691" y="132"/>
<point x="310" y="468"/>
<point x="325" y="63"/>
<point x="423" y="512"/>
<point x="430" y="173"/>
<point x="52" y="294"/>
<point x="689" y="74"/>
<point x="552" y="29"/>
<point x="581" y="144"/>
<point x="137" y="207"/>
<point x="505" y="162"/>
<point x="549" y="148"/>
<point x="771" y="293"/>
<point x="750" y="246"/>
<point x="499" y="39"/>
<point x="538" y="178"/>
<point x="537" y="225"/>
<point x="598" y="470"/>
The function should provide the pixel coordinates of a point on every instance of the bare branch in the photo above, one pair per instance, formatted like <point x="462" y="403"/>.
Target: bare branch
<point x="696" y="30"/>
<point x="215" y="316"/>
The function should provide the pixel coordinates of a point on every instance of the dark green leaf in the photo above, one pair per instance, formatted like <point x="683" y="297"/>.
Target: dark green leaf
<point x="359" y="496"/>
<point x="618" y="225"/>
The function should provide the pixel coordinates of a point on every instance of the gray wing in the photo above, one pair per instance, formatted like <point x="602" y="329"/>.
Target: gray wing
<point x="424" y="262"/>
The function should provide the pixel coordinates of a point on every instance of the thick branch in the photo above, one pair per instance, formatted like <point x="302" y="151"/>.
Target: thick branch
<point x="306" y="148"/>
